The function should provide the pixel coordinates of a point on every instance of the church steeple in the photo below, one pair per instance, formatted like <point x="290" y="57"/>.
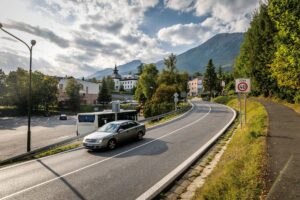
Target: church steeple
<point x="116" y="70"/>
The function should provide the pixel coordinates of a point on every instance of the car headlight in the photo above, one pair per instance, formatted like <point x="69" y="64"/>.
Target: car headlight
<point x="99" y="141"/>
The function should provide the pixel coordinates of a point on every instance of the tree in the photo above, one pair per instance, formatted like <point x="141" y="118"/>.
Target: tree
<point x="210" y="78"/>
<point x="48" y="92"/>
<point x="285" y="66"/>
<point x="170" y="63"/>
<point x="147" y="83"/>
<point x="72" y="90"/>
<point x="122" y="88"/>
<point x="110" y="84"/>
<point x="257" y="52"/>
<point x="140" y="69"/>
<point x="197" y="74"/>
<point x="2" y="86"/>
<point x="104" y="95"/>
<point x="164" y="94"/>
<point x="17" y="89"/>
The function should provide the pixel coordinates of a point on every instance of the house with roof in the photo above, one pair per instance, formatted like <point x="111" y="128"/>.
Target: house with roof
<point x="128" y="82"/>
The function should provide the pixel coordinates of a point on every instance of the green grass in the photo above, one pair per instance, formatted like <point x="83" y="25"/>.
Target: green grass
<point x="240" y="172"/>
<point x="58" y="149"/>
<point x="223" y="99"/>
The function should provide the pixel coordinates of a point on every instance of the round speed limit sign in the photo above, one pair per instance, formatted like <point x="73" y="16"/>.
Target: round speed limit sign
<point x="242" y="85"/>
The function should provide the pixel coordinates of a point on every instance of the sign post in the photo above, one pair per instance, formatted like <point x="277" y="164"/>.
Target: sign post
<point x="116" y="108"/>
<point x="242" y="85"/>
<point x="176" y="100"/>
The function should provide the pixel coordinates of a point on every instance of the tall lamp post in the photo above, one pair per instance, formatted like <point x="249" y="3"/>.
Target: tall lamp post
<point x="32" y="42"/>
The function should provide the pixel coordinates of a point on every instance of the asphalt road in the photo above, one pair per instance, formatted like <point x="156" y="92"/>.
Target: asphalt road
<point x="124" y="173"/>
<point x="44" y="130"/>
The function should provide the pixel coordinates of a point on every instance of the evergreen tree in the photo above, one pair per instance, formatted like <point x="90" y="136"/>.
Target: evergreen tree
<point x="72" y="90"/>
<point x="210" y="78"/>
<point x="104" y="95"/>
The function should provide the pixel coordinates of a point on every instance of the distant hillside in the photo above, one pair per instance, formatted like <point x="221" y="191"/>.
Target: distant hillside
<point x="123" y="69"/>
<point x="222" y="48"/>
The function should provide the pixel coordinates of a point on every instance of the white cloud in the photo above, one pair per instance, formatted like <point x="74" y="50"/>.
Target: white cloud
<point x="184" y="34"/>
<point x="185" y="5"/>
<point x="78" y="37"/>
<point x="224" y="16"/>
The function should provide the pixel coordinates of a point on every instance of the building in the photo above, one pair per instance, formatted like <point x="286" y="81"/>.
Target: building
<point x="89" y="91"/>
<point x="128" y="82"/>
<point x="195" y="86"/>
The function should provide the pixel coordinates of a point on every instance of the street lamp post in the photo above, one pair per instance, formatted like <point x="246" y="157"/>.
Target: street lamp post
<point x="32" y="42"/>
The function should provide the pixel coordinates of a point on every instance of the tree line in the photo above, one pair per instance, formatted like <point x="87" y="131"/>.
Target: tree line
<point x="14" y="89"/>
<point x="155" y="89"/>
<point x="270" y="54"/>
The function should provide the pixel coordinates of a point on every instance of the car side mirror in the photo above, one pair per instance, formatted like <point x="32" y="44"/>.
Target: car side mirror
<point x="120" y="130"/>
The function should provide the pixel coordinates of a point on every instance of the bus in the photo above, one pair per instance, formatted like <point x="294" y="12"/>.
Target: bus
<point x="89" y="122"/>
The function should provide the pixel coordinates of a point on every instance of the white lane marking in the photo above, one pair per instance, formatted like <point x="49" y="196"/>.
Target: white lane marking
<point x="156" y="188"/>
<point x="23" y="163"/>
<point x="101" y="161"/>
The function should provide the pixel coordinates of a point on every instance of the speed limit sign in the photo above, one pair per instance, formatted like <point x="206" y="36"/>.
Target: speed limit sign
<point x="242" y="85"/>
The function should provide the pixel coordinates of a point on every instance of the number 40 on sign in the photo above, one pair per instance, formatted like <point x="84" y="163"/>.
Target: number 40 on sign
<point x="242" y="85"/>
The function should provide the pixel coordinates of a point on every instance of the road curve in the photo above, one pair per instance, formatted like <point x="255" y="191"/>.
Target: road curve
<point x="124" y="173"/>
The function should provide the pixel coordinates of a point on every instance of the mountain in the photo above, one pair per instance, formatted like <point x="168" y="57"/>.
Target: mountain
<point x="222" y="48"/>
<point x="123" y="69"/>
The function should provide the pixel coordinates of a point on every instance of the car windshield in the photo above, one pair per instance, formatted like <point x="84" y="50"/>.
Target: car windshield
<point x="110" y="128"/>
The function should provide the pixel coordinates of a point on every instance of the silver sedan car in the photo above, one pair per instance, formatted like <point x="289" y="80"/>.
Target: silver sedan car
<point x="110" y="134"/>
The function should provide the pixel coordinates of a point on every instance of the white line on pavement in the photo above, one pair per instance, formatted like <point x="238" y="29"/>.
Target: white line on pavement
<point x="156" y="188"/>
<point x="101" y="161"/>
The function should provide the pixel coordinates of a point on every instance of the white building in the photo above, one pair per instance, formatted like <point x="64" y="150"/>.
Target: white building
<point x="195" y="86"/>
<point x="88" y="92"/>
<point x="128" y="82"/>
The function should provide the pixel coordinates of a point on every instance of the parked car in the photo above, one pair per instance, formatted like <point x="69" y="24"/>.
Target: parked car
<point x="63" y="117"/>
<point x="110" y="134"/>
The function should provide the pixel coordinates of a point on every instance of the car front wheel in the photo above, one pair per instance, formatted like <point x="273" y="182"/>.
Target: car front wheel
<point x="112" y="144"/>
<point x="140" y="135"/>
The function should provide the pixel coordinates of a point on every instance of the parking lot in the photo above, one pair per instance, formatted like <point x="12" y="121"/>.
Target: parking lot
<point x="44" y="131"/>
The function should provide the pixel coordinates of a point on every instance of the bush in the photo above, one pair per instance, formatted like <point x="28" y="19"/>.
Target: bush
<point x="297" y="98"/>
<point x="223" y="99"/>
<point x="152" y="109"/>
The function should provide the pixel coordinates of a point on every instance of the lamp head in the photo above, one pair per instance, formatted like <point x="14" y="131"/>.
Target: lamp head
<point x="33" y="42"/>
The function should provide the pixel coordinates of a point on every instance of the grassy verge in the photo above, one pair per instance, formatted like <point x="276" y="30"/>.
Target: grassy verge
<point x="240" y="172"/>
<point x="59" y="149"/>
<point x="183" y="106"/>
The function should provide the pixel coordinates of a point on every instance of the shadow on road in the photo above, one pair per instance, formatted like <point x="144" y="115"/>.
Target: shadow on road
<point x="150" y="147"/>
<point x="73" y="189"/>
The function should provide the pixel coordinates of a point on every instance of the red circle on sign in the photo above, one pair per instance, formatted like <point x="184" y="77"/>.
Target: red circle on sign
<point x="242" y="86"/>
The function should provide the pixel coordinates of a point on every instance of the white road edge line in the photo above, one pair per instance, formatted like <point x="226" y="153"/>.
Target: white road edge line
<point x="101" y="161"/>
<point x="33" y="160"/>
<point x="159" y="186"/>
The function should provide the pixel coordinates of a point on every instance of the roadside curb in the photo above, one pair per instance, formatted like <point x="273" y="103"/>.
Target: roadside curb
<point x="169" y="178"/>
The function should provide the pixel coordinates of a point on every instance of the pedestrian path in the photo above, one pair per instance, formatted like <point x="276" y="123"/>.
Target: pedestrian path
<point x="283" y="146"/>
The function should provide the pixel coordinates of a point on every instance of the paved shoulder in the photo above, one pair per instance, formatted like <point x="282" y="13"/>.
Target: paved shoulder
<point x="283" y="145"/>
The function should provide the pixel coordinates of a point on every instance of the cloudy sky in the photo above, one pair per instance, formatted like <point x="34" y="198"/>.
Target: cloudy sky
<point x="79" y="37"/>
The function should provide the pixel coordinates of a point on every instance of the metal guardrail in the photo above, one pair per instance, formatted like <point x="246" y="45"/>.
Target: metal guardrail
<point x="69" y="140"/>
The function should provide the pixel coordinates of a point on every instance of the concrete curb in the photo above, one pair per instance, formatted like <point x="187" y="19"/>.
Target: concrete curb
<point x="169" y="178"/>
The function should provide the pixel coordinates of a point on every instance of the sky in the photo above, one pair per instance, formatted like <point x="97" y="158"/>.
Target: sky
<point x="80" y="37"/>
